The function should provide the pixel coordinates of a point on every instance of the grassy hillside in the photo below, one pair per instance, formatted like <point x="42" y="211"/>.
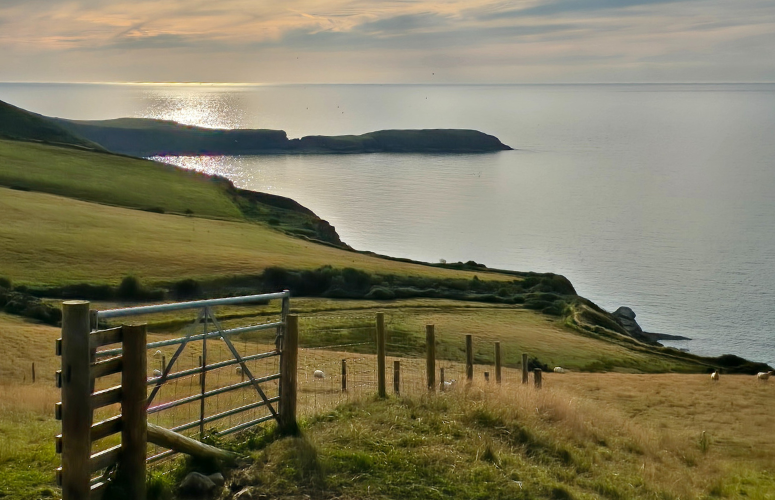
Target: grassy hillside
<point x="17" y="123"/>
<point x="112" y="180"/>
<point x="51" y="240"/>
<point x="152" y="186"/>
<point x="515" y="443"/>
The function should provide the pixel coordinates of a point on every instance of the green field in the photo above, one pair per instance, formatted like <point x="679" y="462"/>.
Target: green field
<point x="50" y="240"/>
<point x="112" y="180"/>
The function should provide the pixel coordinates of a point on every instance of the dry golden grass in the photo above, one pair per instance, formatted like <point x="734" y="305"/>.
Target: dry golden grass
<point x="25" y="343"/>
<point x="736" y="412"/>
<point x="646" y="428"/>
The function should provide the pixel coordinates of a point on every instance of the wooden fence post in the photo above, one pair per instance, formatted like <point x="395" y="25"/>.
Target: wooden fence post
<point x="486" y="376"/>
<point x="131" y="468"/>
<point x="288" y="376"/>
<point x="441" y="379"/>
<point x="76" y="401"/>
<point x="33" y="372"/>
<point x="397" y="376"/>
<point x="524" y="368"/>
<point x="381" y="355"/>
<point x="537" y="376"/>
<point x="469" y="358"/>
<point x="498" y="362"/>
<point x="430" y="356"/>
<point x="344" y="375"/>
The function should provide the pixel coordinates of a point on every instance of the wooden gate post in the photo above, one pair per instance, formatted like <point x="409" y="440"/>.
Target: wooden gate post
<point x="289" y="362"/>
<point x="381" y="355"/>
<point x="537" y="375"/>
<point x="524" y="368"/>
<point x="441" y="379"/>
<point x="134" y="433"/>
<point x="430" y="356"/>
<point x="498" y="362"/>
<point x="76" y="401"/>
<point x="469" y="358"/>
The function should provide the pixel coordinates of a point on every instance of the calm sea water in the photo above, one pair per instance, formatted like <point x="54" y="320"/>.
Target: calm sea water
<point x="658" y="197"/>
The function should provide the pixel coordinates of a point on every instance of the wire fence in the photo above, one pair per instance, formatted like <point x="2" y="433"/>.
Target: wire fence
<point x="338" y="362"/>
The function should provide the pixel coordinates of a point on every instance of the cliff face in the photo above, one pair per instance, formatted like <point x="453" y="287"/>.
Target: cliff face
<point x="286" y="214"/>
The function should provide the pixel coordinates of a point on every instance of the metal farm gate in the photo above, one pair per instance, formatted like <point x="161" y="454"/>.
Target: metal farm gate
<point x="103" y="442"/>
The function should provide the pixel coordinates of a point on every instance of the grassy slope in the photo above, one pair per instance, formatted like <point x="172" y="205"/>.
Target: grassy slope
<point x="112" y="180"/>
<point x="50" y="240"/>
<point x="518" y="443"/>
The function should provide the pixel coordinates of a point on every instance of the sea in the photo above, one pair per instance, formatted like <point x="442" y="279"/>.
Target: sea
<point x="659" y="197"/>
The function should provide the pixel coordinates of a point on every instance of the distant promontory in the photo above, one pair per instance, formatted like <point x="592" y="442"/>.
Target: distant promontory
<point x="147" y="137"/>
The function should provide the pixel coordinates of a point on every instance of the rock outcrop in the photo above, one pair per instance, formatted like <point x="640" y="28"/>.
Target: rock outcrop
<point x="626" y="318"/>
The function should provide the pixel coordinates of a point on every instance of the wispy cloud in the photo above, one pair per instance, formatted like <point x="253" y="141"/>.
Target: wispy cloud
<point x="560" y="7"/>
<point x="391" y="39"/>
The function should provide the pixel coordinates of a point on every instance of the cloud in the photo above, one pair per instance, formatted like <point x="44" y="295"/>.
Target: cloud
<point x="389" y="37"/>
<point x="406" y="23"/>
<point x="574" y="6"/>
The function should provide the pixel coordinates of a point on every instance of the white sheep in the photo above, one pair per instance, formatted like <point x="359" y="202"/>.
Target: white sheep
<point x="559" y="369"/>
<point x="238" y="370"/>
<point x="714" y="376"/>
<point x="764" y="376"/>
<point x="449" y="385"/>
<point x="157" y="354"/>
<point x="157" y="373"/>
<point x="319" y="374"/>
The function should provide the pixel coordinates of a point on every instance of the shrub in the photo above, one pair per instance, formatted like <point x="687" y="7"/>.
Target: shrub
<point x="187" y="289"/>
<point x="5" y="283"/>
<point x="356" y="280"/>
<point x="129" y="288"/>
<point x="28" y="306"/>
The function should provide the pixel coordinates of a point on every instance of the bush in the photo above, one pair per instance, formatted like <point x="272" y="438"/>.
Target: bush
<point x="5" y="283"/>
<point x="129" y="288"/>
<point x="28" y="306"/>
<point x="186" y="289"/>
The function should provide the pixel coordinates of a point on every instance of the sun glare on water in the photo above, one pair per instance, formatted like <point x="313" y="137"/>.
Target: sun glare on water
<point x="208" y="107"/>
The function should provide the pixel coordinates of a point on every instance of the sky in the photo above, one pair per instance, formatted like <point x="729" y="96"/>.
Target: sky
<point x="400" y="41"/>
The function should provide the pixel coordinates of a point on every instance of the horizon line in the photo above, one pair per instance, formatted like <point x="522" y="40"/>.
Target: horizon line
<point x="266" y="84"/>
